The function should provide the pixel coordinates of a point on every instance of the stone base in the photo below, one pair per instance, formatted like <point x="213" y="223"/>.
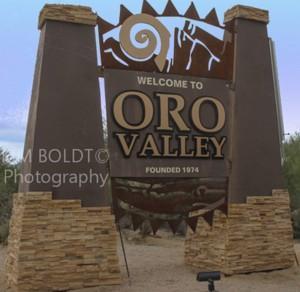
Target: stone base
<point x="256" y="236"/>
<point x="57" y="245"/>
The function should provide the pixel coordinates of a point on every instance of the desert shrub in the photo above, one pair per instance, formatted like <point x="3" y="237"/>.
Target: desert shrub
<point x="4" y="230"/>
<point x="296" y="222"/>
<point x="7" y="188"/>
<point x="291" y="167"/>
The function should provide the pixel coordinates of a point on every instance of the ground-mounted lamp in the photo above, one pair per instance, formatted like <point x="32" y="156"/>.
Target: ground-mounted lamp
<point x="209" y="277"/>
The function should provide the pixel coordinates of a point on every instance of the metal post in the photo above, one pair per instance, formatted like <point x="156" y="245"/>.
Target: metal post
<point x="124" y="252"/>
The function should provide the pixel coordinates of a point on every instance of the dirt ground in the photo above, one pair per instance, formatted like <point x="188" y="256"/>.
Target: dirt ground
<point x="156" y="265"/>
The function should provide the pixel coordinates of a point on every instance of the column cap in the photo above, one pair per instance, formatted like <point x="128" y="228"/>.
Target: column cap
<point x="246" y="12"/>
<point x="67" y="13"/>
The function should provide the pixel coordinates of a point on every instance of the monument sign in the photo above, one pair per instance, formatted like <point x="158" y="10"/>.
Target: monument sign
<point x="193" y="132"/>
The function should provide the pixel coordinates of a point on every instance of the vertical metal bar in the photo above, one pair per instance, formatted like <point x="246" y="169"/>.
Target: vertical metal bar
<point x="277" y="95"/>
<point x="123" y="249"/>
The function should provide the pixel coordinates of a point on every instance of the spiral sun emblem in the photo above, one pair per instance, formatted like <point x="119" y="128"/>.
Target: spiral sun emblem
<point x="146" y="36"/>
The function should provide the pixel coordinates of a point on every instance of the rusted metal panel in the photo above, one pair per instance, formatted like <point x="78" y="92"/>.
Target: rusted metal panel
<point x="197" y="52"/>
<point x="188" y="161"/>
<point x="194" y="42"/>
<point x="159" y="197"/>
<point x="166" y="200"/>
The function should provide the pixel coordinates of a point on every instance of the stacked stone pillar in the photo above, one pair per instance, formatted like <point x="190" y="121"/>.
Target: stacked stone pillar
<point x="58" y="245"/>
<point x="63" y="235"/>
<point x="257" y="235"/>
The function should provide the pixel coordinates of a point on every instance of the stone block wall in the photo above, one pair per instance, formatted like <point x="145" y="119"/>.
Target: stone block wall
<point x="256" y="236"/>
<point x="57" y="245"/>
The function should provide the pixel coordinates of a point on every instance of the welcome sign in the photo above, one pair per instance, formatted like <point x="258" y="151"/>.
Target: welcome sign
<point x="166" y="125"/>
<point x="193" y="127"/>
<point x="193" y="120"/>
<point x="168" y="87"/>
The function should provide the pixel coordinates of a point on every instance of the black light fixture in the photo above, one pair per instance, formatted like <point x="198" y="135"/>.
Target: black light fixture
<point x="209" y="277"/>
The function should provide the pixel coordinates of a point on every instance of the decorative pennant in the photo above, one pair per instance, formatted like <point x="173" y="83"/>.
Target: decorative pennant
<point x="223" y="208"/>
<point x="209" y="217"/>
<point x="170" y="10"/>
<point x="148" y="9"/>
<point x="155" y="224"/>
<point x="124" y="14"/>
<point x="192" y="12"/>
<point x="212" y="18"/>
<point x="174" y="224"/>
<point x="136" y="221"/>
<point x="104" y="26"/>
<point x="192" y="222"/>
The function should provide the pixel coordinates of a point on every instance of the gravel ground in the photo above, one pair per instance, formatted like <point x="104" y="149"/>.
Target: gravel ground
<point x="157" y="265"/>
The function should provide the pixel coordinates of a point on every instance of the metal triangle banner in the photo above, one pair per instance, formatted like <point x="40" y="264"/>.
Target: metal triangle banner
<point x="192" y="222"/>
<point x="192" y="12"/>
<point x="148" y="9"/>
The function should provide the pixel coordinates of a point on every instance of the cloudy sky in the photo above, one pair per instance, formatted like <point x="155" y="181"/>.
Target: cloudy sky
<point x="19" y="39"/>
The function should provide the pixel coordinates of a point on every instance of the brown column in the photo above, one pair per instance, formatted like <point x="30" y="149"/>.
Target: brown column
<point x="255" y="148"/>
<point x="65" y="110"/>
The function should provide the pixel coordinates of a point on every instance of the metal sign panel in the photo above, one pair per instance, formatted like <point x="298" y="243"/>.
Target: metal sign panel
<point x="166" y="125"/>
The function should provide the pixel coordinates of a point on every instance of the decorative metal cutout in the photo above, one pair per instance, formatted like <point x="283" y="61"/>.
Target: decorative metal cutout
<point x="164" y="200"/>
<point x="194" y="46"/>
<point x="168" y="43"/>
<point x="145" y="36"/>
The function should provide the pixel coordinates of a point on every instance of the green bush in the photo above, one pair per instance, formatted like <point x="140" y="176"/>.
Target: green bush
<point x="291" y="167"/>
<point x="7" y="188"/>
<point x="296" y="222"/>
<point x="4" y="230"/>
